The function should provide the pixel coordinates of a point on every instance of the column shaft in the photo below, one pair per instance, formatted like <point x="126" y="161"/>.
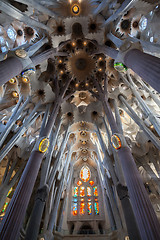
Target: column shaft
<point x="145" y="65"/>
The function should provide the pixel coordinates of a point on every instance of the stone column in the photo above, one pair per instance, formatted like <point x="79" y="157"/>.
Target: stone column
<point x="33" y="227"/>
<point x="9" y="68"/>
<point x="10" y="226"/>
<point x="145" y="65"/>
<point x="144" y="213"/>
<point x="131" y="224"/>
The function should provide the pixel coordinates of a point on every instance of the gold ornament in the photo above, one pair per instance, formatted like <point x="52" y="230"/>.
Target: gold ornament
<point x="44" y="144"/>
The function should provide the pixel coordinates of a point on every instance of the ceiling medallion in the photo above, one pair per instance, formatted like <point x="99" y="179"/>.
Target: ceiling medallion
<point x="43" y="145"/>
<point x="75" y="9"/>
<point x="81" y="65"/>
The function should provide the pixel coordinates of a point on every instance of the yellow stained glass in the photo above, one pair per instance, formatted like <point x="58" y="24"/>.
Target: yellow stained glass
<point x="85" y="174"/>
<point x="88" y="191"/>
<point x="95" y="191"/>
<point x="82" y="208"/>
<point x="82" y="192"/>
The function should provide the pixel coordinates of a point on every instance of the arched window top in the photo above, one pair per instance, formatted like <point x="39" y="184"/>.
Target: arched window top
<point x="85" y="173"/>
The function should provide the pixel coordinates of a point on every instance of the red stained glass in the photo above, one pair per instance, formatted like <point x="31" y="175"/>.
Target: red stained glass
<point x="85" y="174"/>
<point x="82" y="208"/>
<point x="82" y="192"/>
<point x="79" y="183"/>
<point x="91" y="183"/>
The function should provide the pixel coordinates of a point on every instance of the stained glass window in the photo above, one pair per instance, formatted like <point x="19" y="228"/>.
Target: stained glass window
<point x="95" y="191"/>
<point x="82" y="199"/>
<point x="89" y="199"/>
<point x="75" y="200"/>
<point x="88" y="191"/>
<point x="82" y="208"/>
<point x="79" y="183"/>
<point x="96" y="208"/>
<point x="75" y="192"/>
<point x="74" y="209"/>
<point x="82" y="193"/>
<point x="91" y="183"/>
<point x="89" y="206"/>
<point x="85" y="174"/>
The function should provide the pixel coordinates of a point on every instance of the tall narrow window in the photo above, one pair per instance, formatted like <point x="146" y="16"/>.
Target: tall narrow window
<point x="96" y="208"/>
<point x="88" y="191"/>
<point x="89" y="206"/>
<point x="82" y="192"/>
<point x="82" y="208"/>
<point x="95" y="191"/>
<point x="75" y="192"/>
<point x="74" y="208"/>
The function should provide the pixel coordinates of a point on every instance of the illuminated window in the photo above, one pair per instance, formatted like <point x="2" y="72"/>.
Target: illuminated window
<point x="75" y="192"/>
<point x="88" y="191"/>
<point x="79" y="183"/>
<point x="95" y="191"/>
<point x="89" y="206"/>
<point x="96" y="208"/>
<point x="82" y="193"/>
<point x="82" y="199"/>
<point x="91" y="183"/>
<point x="75" y="200"/>
<point x="74" y="209"/>
<point x="89" y="199"/>
<point x="82" y="208"/>
<point x="85" y="174"/>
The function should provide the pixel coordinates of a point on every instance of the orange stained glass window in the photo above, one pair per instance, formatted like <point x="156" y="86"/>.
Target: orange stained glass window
<point x="82" y="199"/>
<point x="79" y="183"/>
<point x="96" y="199"/>
<point x="91" y="183"/>
<point x="89" y="206"/>
<point x="85" y="173"/>
<point x="89" y="199"/>
<point x="88" y="191"/>
<point x="82" y="208"/>
<point x="82" y="192"/>
<point x="75" y="192"/>
<point x="74" y="209"/>
<point x="96" y="208"/>
<point x="95" y="191"/>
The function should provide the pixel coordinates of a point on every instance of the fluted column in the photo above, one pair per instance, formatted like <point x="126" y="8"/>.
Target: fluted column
<point x="10" y="226"/>
<point x="131" y="224"/>
<point x="144" y="213"/>
<point x="145" y="65"/>
<point x="33" y="227"/>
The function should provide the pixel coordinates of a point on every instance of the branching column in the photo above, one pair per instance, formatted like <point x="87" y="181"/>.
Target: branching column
<point x="10" y="226"/>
